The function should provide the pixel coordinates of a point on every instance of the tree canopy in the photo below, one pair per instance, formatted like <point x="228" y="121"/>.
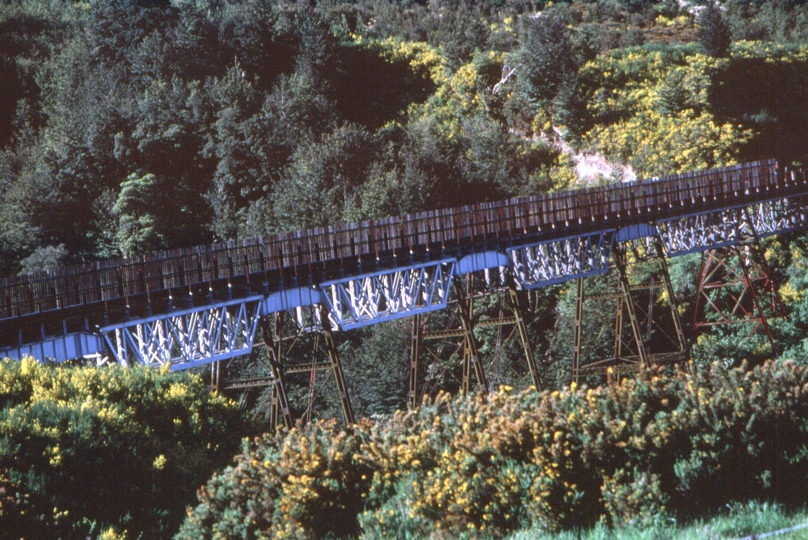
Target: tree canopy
<point x="236" y="119"/>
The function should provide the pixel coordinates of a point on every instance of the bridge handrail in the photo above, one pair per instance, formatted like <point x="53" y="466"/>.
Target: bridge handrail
<point x="536" y="214"/>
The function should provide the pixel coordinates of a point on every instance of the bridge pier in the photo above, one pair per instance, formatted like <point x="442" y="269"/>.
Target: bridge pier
<point x="735" y="287"/>
<point x="336" y="367"/>
<point x="632" y="354"/>
<point x="273" y="343"/>
<point x="619" y="256"/>
<point x="514" y="311"/>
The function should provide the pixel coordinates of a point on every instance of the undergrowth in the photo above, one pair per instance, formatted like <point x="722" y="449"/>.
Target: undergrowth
<point x="679" y="444"/>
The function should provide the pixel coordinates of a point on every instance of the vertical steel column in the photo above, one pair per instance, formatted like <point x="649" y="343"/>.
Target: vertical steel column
<point x="619" y="255"/>
<point x="677" y="322"/>
<point x="272" y="341"/>
<point x="415" y="347"/>
<point x="756" y="299"/>
<point x="650" y="310"/>
<point x="336" y="367"/>
<point x="466" y="388"/>
<point x="578" y="329"/>
<point x="618" y="329"/>
<point x="274" y="408"/>
<point x="214" y="377"/>
<point x="465" y="307"/>
<point x="518" y="308"/>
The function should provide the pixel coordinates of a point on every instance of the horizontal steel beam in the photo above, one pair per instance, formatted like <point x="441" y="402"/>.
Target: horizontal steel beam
<point x="183" y="338"/>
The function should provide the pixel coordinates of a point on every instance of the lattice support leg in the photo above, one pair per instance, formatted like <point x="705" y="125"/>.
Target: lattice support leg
<point x="336" y="367"/>
<point x="472" y="355"/>
<point x="518" y="306"/>
<point x="578" y="329"/>
<point x="215" y="381"/>
<point x="273" y="343"/>
<point x="415" y="349"/>
<point x="466" y="368"/>
<point x="618" y="329"/>
<point x="619" y="255"/>
<point x="674" y="307"/>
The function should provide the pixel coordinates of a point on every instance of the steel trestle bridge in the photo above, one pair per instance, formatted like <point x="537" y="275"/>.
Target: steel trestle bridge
<point x="187" y="307"/>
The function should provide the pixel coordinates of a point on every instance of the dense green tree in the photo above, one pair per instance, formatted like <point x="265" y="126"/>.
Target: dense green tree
<point x="324" y="179"/>
<point x="135" y="209"/>
<point x="253" y="142"/>
<point x="258" y="37"/>
<point x="44" y="258"/>
<point x="714" y="32"/>
<point x="459" y="32"/>
<point x="377" y="368"/>
<point x="546" y="58"/>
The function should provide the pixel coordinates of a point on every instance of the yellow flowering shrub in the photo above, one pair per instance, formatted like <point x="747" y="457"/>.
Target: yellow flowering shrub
<point x="92" y="451"/>
<point x="306" y="484"/>
<point x="481" y="466"/>
<point x="650" y="108"/>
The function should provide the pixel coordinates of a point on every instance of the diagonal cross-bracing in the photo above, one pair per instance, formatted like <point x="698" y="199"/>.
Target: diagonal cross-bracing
<point x="695" y="233"/>
<point x="369" y="299"/>
<point x="545" y="263"/>
<point x="732" y="226"/>
<point x="186" y="338"/>
<point x="778" y="216"/>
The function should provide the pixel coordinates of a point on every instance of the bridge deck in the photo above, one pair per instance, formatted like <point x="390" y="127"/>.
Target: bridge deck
<point x="75" y="297"/>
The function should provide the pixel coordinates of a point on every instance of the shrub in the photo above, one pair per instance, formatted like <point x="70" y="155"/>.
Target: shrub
<point x="481" y="466"/>
<point x="88" y="450"/>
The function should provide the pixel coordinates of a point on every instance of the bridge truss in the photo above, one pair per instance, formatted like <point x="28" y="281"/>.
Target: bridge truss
<point x="507" y="256"/>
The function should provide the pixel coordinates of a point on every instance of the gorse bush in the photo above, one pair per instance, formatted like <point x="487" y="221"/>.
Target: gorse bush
<point x="481" y="466"/>
<point x="90" y="450"/>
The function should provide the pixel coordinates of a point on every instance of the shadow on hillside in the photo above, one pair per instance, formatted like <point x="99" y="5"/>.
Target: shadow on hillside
<point x="772" y="99"/>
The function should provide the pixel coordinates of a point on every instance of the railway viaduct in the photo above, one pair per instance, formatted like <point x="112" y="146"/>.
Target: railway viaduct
<point x="203" y="305"/>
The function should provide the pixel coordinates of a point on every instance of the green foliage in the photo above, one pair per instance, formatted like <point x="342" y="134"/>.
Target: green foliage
<point x="235" y="119"/>
<point x="224" y="103"/>
<point x="136" y="229"/>
<point x="546" y="58"/>
<point x="772" y="80"/>
<point x="714" y="32"/>
<point x="651" y="108"/>
<point x="674" y="445"/>
<point x="45" y="258"/>
<point x="323" y="181"/>
<point x="377" y="368"/>
<point x="306" y="485"/>
<point x="84" y="450"/>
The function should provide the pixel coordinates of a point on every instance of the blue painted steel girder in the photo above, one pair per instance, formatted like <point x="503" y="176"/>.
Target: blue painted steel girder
<point x="374" y="298"/>
<point x="225" y="330"/>
<point x="187" y="338"/>
<point x="59" y="348"/>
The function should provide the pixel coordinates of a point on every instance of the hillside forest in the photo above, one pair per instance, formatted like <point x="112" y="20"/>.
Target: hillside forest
<point x="128" y="126"/>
